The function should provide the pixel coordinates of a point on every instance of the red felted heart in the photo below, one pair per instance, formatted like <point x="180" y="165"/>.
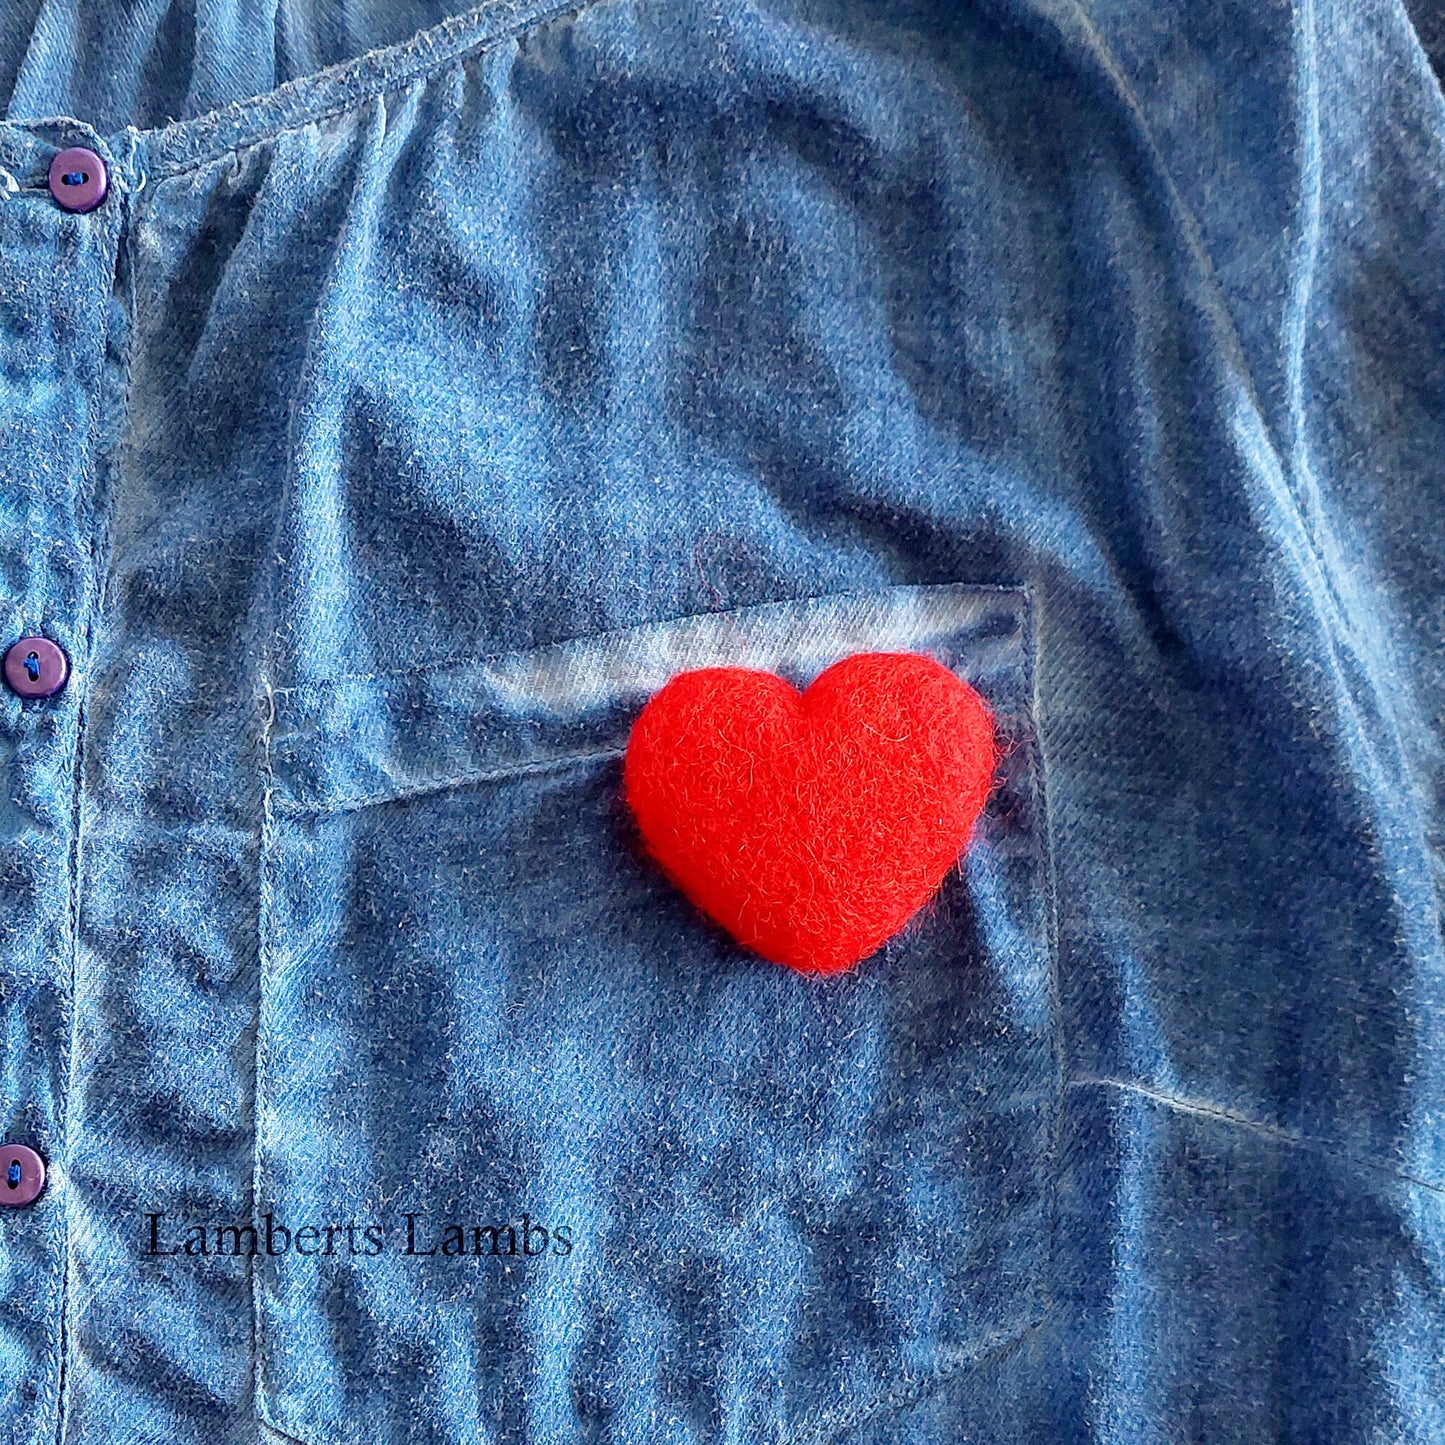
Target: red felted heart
<point x="811" y="825"/>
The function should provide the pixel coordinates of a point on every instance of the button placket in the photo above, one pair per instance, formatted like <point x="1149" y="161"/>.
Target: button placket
<point x="60" y="370"/>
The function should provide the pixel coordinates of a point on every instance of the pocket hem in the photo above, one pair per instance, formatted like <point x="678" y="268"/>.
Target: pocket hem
<point x="345" y="743"/>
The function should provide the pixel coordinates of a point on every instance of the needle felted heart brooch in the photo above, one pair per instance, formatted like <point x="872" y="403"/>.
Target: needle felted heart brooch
<point x="811" y="825"/>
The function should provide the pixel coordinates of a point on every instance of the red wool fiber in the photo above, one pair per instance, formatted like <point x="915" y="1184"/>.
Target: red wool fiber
<point x="812" y="826"/>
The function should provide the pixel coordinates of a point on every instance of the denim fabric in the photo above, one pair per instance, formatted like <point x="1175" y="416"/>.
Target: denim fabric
<point x="429" y="388"/>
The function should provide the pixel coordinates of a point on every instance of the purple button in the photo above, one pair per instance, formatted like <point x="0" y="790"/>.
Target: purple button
<point x="36" y="667"/>
<point x="78" y="179"/>
<point x="22" y="1175"/>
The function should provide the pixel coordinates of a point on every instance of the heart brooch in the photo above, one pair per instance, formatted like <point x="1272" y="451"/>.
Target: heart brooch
<point x="811" y="825"/>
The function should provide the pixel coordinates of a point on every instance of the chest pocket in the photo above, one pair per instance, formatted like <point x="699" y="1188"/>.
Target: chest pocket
<point x="547" y="1156"/>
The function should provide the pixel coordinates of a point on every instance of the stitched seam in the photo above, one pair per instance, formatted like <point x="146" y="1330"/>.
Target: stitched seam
<point x="261" y="1057"/>
<point x="260" y="1053"/>
<point x="265" y="631"/>
<point x="894" y="1404"/>
<point x="265" y="627"/>
<point x="360" y="91"/>
<point x="1043" y="798"/>
<point x="440" y="785"/>
<point x="1219" y="1114"/>
<point x="283" y="1435"/>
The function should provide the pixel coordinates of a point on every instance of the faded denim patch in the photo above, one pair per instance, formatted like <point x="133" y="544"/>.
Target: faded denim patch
<point x="786" y="1202"/>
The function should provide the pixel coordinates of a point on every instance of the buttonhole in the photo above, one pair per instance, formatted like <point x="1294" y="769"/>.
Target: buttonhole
<point x="74" y="178"/>
<point x="12" y="1174"/>
<point x="32" y="666"/>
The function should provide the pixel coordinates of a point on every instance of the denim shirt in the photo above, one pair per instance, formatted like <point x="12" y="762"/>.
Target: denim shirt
<point x="424" y="392"/>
